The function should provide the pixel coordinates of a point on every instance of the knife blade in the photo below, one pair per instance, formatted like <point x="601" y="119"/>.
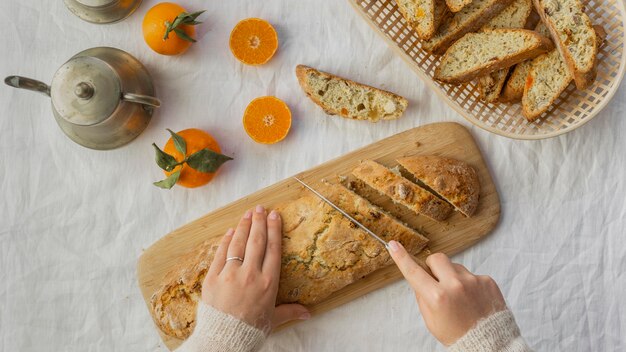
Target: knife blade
<point x="353" y="220"/>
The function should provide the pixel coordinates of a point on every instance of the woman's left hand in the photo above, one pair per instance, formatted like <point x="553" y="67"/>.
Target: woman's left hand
<point x="247" y="288"/>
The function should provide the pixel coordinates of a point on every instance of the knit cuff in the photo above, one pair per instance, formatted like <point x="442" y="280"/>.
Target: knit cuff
<point x="217" y="331"/>
<point x="498" y="332"/>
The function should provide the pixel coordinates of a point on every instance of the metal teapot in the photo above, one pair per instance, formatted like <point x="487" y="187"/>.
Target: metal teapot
<point x="102" y="98"/>
<point x="102" y="11"/>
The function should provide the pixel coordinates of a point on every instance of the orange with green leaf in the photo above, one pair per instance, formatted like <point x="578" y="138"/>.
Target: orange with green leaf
<point x="190" y="159"/>
<point x="168" y="29"/>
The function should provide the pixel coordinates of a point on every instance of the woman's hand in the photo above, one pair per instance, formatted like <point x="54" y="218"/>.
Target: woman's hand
<point x="247" y="289"/>
<point x="455" y="301"/>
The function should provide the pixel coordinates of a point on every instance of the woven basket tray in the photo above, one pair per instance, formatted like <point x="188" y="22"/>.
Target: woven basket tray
<point x="573" y="109"/>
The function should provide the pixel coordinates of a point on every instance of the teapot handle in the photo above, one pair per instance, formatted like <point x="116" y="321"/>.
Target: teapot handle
<point x="142" y="99"/>
<point x="27" y="83"/>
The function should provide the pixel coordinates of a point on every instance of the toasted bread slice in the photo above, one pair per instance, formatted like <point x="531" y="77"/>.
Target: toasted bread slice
<point x="513" y="16"/>
<point x="514" y="88"/>
<point x="424" y="16"/>
<point x="574" y="37"/>
<point x="453" y="180"/>
<point x="469" y="19"/>
<point x="340" y="96"/>
<point x="457" y="5"/>
<point x="547" y="79"/>
<point x="477" y="54"/>
<point x="402" y="191"/>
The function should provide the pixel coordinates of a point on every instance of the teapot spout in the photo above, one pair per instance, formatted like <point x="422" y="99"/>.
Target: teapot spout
<point x="27" y="83"/>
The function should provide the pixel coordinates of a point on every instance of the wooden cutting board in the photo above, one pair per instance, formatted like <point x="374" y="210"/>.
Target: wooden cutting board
<point x="457" y="233"/>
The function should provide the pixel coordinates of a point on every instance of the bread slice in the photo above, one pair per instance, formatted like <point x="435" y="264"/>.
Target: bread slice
<point x="514" y="88"/>
<point x="513" y="16"/>
<point x="457" y="5"/>
<point x="453" y="180"/>
<point x="424" y="16"/>
<point x="340" y="96"/>
<point x="469" y="19"/>
<point x="574" y="37"/>
<point x="477" y="54"/>
<point x="402" y="191"/>
<point x="547" y="78"/>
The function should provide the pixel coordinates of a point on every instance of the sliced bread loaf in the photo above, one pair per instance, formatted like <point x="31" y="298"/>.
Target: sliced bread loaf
<point x="514" y="88"/>
<point x="477" y="54"/>
<point x="453" y="180"/>
<point x="469" y="19"/>
<point x="574" y="36"/>
<point x="513" y="16"/>
<point x="340" y="96"/>
<point x="547" y="79"/>
<point x="402" y="191"/>
<point x="457" y="5"/>
<point x="424" y="16"/>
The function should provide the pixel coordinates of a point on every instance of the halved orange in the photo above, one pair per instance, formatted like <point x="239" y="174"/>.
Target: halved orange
<point x="253" y="41"/>
<point x="267" y="120"/>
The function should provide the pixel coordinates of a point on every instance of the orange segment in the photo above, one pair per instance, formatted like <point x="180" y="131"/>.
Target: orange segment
<point x="196" y="139"/>
<point x="253" y="41"/>
<point x="267" y="120"/>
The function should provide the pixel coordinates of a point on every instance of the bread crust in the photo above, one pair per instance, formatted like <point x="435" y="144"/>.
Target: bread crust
<point x="302" y="73"/>
<point x="457" y="5"/>
<point x="583" y="76"/>
<point x="453" y="180"/>
<point x="454" y="27"/>
<point x="322" y="252"/>
<point x="402" y="191"/>
<point x="541" y="45"/>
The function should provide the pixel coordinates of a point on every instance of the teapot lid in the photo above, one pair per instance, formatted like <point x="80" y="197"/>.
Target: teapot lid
<point x="85" y="91"/>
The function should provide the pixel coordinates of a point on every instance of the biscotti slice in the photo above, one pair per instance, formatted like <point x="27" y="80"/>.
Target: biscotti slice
<point x="469" y="19"/>
<point x="513" y="16"/>
<point x="454" y="180"/>
<point x="424" y="16"/>
<point x="322" y="252"/>
<point x="514" y="88"/>
<point x="548" y="77"/>
<point x="340" y="96"/>
<point x="457" y="5"/>
<point x="402" y="191"/>
<point x="477" y="54"/>
<point x="574" y="36"/>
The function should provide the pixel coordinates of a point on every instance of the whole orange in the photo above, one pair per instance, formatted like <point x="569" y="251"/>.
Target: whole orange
<point x="196" y="140"/>
<point x="154" y="27"/>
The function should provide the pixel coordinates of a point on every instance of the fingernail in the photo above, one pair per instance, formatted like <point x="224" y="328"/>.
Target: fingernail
<point x="259" y="209"/>
<point x="230" y="232"/>
<point x="305" y="316"/>
<point x="273" y="215"/>
<point x="394" y="246"/>
<point x="247" y="215"/>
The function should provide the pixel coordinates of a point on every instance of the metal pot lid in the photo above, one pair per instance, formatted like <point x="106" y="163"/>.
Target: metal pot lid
<point x="85" y="91"/>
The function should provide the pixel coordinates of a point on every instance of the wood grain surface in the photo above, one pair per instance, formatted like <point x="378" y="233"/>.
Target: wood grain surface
<point x="456" y="234"/>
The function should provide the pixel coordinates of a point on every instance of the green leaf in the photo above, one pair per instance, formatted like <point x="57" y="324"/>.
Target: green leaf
<point x="164" y="160"/>
<point x="182" y="35"/>
<point x="206" y="160"/>
<point x="179" y="143"/>
<point x="169" y="182"/>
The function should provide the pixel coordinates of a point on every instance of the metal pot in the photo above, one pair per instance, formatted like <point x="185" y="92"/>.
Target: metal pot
<point x="102" y="11"/>
<point x="102" y="98"/>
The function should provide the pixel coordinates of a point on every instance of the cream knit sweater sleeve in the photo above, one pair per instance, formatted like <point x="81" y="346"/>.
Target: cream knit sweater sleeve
<point x="496" y="333"/>
<point x="216" y="331"/>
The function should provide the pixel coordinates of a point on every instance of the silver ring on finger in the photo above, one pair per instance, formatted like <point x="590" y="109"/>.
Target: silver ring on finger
<point x="234" y="258"/>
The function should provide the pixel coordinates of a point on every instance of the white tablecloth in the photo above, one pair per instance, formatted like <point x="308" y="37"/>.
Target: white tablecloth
<point x="74" y="221"/>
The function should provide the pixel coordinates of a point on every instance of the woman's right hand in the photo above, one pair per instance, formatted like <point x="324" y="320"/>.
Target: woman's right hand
<point x="454" y="300"/>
